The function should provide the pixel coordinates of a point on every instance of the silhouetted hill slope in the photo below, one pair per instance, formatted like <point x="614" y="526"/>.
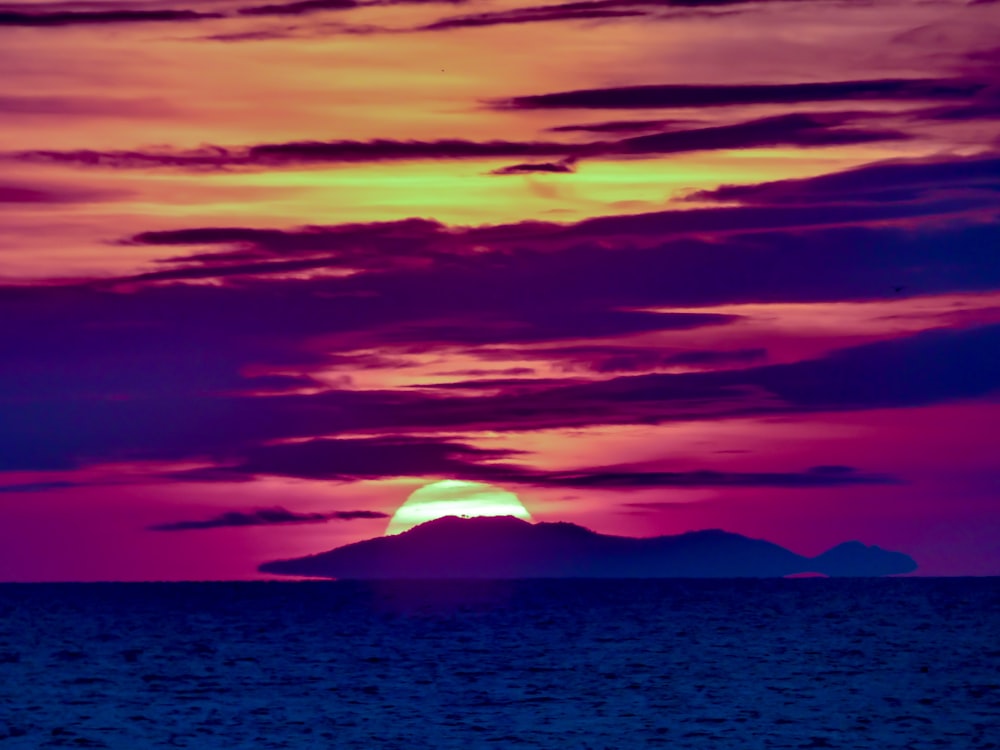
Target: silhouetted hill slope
<point x="855" y="559"/>
<point x="506" y="547"/>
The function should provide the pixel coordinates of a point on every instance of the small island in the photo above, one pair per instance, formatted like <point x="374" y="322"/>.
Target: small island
<point x="504" y="547"/>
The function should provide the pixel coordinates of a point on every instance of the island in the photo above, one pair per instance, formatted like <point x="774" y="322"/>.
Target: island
<point x="504" y="547"/>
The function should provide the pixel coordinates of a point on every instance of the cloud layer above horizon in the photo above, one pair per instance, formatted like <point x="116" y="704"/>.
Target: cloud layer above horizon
<point x="749" y="279"/>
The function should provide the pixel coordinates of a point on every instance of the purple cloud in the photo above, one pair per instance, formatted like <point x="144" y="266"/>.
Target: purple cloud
<point x="37" y="486"/>
<point x="566" y="12"/>
<point x="576" y="11"/>
<point x="159" y="370"/>
<point x="298" y="8"/>
<point x="306" y="7"/>
<point x="888" y="181"/>
<point x="53" y="14"/>
<point x="817" y="476"/>
<point x="347" y="459"/>
<point x="560" y="167"/>
<point x="276" y="516"/>
<point x="48" y="18"/>
<point x="37" y="192"/>
<point x="606" y="359"/>
<point x="621" y="126"/>
<point x="800" y="130"/>
<point x="61" y="432"/>
<point x="706" y="95"/>
<point x="299" y="153"/>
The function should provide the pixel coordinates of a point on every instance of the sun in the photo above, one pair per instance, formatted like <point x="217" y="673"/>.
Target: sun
<point x="454" y="497"/>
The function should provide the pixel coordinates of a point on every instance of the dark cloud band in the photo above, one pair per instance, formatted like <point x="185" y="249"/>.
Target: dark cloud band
<point x="801" y="130"/>
<point x="703" y="95"/>
<point x="266" y="517"/>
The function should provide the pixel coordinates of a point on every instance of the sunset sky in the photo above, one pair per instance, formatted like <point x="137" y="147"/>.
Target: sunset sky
<point x="652" y="265"/>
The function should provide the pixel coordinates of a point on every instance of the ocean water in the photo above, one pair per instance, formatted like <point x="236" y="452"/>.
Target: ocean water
<point x="809" y="663"/>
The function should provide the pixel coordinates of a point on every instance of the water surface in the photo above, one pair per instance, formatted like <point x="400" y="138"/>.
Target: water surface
<point x="885" y="663"/>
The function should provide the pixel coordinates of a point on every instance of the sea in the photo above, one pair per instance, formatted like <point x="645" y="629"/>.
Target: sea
<point x="715" y="664"/>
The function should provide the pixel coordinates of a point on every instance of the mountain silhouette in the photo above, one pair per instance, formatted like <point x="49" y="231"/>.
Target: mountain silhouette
<point x="507" y="547"/>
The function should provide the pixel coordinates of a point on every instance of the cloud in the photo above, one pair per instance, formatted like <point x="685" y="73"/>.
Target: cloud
<point x="620" y="478"/>
<point x="893" y="181"/>
<point x="41" y="15"/>
<point x="37" y="486"/>
<point x="304" y="152"/>
<point x="758" y="219"/>
<point x="13" y="105"/>
<point x="276" y="516"/>
<point x="102" y="355"/>
<point x="276" y="383"/>
<point x="706" y="95"/>
<point x="298" y="8"/>
<point x="308" y="238"/>
<point x="349" y="458"/>
<point x="817" y="476"/>
<point x="420" y="282"/>
<point x="901" y="190"/>
<point x="236" y="269"/>
<point x="161" y="370"/>
<point x="43" y="193"/>
<point x="503" y="371"/>
<point x="381" y="246"/>
<point x="544" y="321"/>
<point x="609" y="358"/>
<point x="927" y="368"/>
<point x="424" y="258"/>
<point x="305" y="7"/>
<point x="984" y="105"/>
<point x="560" y="167"/>
<point x="49" y="18"/>
<point x="621" y="126"/>
<point x="802" y="130"/>
<point x="700" y="357"/>
<point x="579" y="11"/>
<point x="300" y="153"/>
<point x="506" y="386"/>
<point x="541" y="14"/>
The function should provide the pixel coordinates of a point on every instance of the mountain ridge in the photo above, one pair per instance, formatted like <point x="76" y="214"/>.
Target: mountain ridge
<point x="508" y="547"/>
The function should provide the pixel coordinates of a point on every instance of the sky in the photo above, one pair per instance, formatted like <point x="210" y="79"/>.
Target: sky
<point x="267" y="267"/>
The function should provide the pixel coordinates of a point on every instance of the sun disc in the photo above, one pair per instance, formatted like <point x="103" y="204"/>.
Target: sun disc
<point x="454" y="497"/>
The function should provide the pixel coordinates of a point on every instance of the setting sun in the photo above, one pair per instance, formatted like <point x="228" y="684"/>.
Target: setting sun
<point x="453" y="497"/>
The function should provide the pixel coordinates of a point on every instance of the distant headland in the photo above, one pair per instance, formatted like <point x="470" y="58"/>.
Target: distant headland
<point x="505" y="547"/>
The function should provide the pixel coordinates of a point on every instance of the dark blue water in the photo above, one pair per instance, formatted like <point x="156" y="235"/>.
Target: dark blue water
<point x="890" y="663"/>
